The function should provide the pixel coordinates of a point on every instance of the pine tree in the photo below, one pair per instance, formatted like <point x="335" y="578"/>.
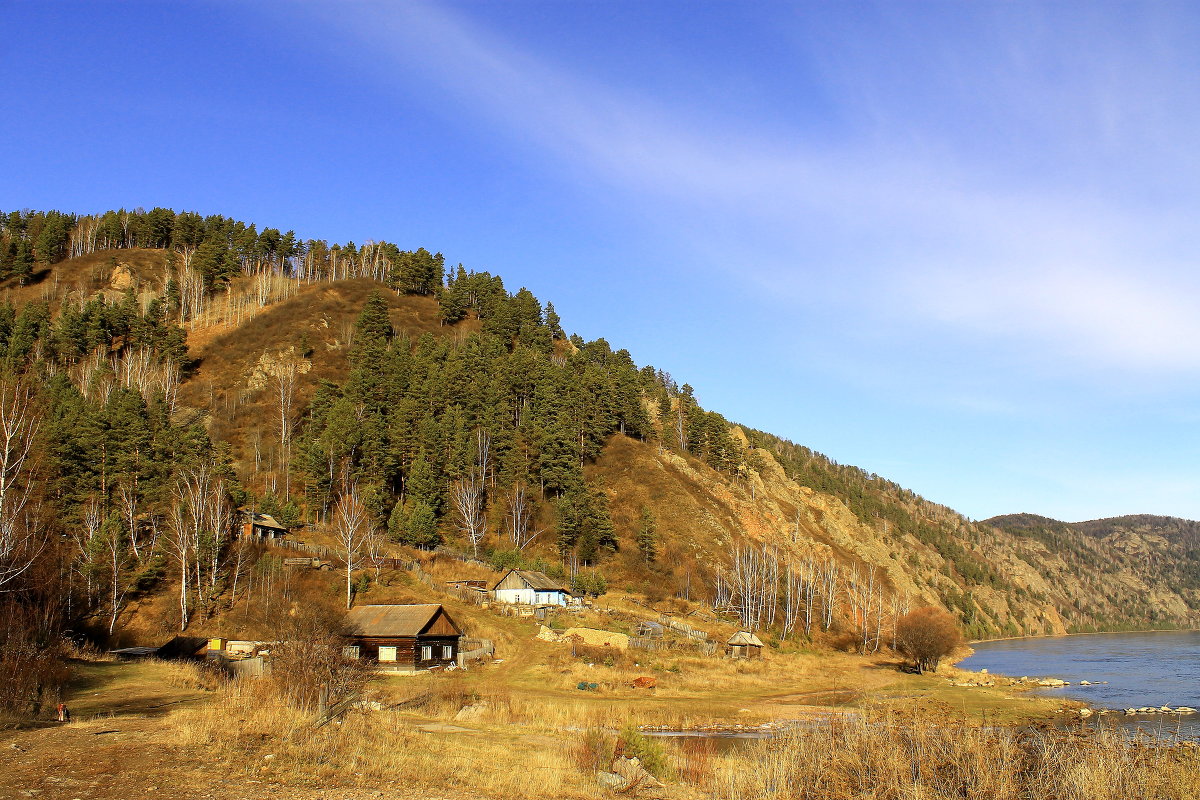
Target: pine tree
<point x="647" y="536"/>
<point x="553" y="323"/>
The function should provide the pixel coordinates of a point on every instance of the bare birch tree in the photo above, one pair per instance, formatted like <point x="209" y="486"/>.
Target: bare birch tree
<point x="84" y="536"/>
<point x="518" y="521"/>
<point x="198" y="528"/>
<point x="829" y="593"/>
<point x="21" y="535"/>
<point x="118" y="557"/>
<point x="179" y="548"/>
<point x="467" y="495"/>
<point x="351" y="528"/>
<point x="466" y="498"/>
<point x="285" y="369"/>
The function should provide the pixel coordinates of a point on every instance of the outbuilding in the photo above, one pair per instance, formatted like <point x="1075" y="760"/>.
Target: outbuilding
<point x="531" y="588"/>
<point x="744" y="644"/>
<point x="261" y="526"/>
<point x="403" y="638"/>
<point x="647" y="629"/>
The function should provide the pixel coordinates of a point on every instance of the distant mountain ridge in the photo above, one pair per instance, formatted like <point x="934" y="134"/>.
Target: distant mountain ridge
<point x="1176" y="529"/>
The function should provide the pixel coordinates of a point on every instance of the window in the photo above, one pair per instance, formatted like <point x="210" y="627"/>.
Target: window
<point x="387" y="654"/>
<point x="426" y="652"/>
<point x="447" y="652"/>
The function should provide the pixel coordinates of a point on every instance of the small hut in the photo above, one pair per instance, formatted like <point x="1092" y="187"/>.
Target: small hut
<point x="744" y="644"/>
<point x="261" y="526"/>
<point x="403" y="638"/>
<point x="649" y="630"/>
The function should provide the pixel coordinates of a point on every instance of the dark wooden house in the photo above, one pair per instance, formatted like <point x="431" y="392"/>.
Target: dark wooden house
<point x="403" y="638"/>
<point x="261" y="526"/>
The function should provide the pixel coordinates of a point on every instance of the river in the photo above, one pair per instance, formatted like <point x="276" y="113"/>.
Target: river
<point x="1138" y="670"/>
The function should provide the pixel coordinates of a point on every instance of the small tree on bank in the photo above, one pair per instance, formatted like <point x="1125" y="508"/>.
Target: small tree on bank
<point x="926" y="636"/>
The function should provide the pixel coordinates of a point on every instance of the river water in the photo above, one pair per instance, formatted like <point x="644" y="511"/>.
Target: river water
<point x="1141" y="669"/>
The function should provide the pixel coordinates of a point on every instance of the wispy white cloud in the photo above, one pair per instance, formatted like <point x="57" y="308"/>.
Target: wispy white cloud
<point x="931" y="234"/>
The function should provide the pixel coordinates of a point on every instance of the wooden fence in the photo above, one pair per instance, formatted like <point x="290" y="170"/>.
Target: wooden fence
<point x="680" y="626"/>
<point x="475" y="649"/>
<point x="312" y="549"/>
<point x="705" y="647"/>
<point x="469" y="594"/>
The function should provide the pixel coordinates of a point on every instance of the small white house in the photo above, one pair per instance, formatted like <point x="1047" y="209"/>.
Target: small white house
<point x="530" y="588"/>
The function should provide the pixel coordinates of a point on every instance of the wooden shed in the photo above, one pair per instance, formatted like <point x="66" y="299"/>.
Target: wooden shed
<point x="744" y="644"/>
<point x="531" y="588"/>
<point x="647" y="629"/>
<point x="404" y="638"/>
<point x="261" y="526"/>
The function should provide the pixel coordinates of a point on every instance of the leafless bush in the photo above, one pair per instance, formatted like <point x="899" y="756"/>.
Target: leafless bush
<point x="309" y="666"/>
<point x="31" y="661"/>
<point x="593" y="751"/>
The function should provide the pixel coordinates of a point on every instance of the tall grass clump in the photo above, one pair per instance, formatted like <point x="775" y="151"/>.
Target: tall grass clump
<point x="887" y="756"/>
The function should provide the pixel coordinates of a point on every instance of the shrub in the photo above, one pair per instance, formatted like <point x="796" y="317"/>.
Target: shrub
<point x="594" y="750"/>
<point x="926" y="636"/>
<point x="308" y="664"/>
<point x="635" y="744"/>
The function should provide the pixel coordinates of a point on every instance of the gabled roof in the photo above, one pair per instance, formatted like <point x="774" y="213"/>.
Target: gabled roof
<point x="538" y="581"/>
<point x="745" y="638"/>
<point x="264" y="520"/>
<point x="397" y="620"/>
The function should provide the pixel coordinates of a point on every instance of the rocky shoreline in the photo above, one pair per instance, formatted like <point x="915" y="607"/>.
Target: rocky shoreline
<point x="982" y="679"/>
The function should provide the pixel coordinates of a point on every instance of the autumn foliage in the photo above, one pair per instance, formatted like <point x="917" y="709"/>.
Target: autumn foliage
<point x="926" y="636"/>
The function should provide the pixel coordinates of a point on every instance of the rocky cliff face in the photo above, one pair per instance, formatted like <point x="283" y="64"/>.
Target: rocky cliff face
<point x="1001" y="581"/>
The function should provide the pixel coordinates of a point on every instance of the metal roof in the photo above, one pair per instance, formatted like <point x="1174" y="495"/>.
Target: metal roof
<point x="393" y="620"/>
<point x="538" y="581"/>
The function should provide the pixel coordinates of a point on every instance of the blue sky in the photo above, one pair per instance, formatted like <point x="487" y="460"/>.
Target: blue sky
<point x="952" y="243"/>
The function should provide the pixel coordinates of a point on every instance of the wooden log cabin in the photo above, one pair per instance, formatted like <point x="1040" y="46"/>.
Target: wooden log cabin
<point x="403" y="638"/>
<point x="261" y="526"/>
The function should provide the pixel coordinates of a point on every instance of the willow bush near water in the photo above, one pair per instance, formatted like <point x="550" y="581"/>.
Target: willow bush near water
<point x="885" y="756"/>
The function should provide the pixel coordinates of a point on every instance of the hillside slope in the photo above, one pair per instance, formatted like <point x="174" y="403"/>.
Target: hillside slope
<point x="1000" y="579"/>
<point x="594" y="446"/>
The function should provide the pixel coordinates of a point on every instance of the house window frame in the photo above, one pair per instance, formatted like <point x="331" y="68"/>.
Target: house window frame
<point x="427" y="652"/>
<point x="447" y="652"/>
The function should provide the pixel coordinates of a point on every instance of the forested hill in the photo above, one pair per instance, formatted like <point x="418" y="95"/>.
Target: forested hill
<point x="1181" y="531"/>
<point x="172" y="368"/>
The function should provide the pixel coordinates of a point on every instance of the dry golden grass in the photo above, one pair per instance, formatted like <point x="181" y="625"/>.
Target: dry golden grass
<point x="503" y="742"/>
<point x="368" y="748"/>
<point x="891" y="756"/>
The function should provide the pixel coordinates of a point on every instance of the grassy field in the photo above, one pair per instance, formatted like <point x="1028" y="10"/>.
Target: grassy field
<point x="496" y="730"/>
